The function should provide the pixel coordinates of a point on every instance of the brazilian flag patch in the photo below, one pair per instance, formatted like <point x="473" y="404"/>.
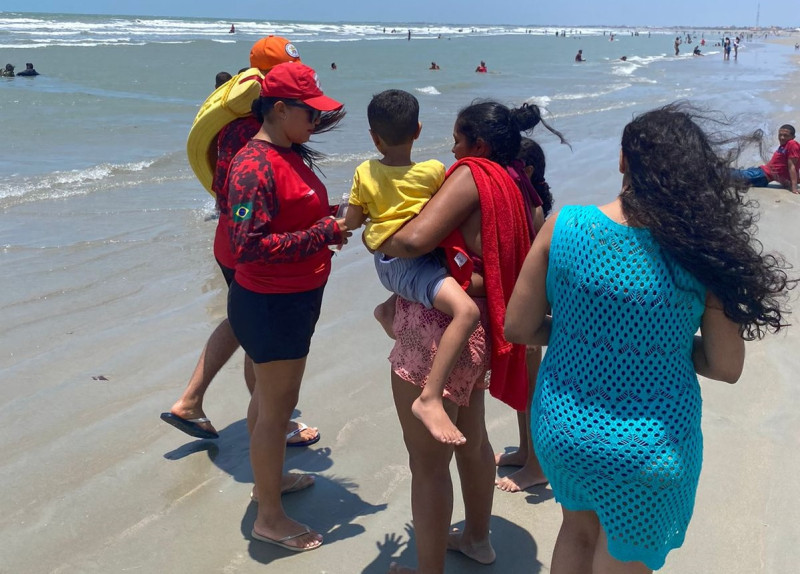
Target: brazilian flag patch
<point x="242" y="211"/>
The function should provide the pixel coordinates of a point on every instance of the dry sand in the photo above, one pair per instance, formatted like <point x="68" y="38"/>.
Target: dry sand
<point x="92" y="481"/>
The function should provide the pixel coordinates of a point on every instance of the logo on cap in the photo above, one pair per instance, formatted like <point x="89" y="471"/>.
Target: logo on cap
<point x="291" y="50"/>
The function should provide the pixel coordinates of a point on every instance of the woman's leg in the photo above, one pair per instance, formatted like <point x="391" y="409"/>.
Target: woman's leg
<point x="576" y="542"/>
<point x="276" y="391"/>
<point x="307" y="433"/>
<point x="531" y="473"/>
<point x="218" y="350"/>
<point x="475" y="462"/>
<point x="431" y="485"/>
<point x="604" y="563"/>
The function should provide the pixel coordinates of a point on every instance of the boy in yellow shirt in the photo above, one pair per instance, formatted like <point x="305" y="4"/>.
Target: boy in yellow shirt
<point x="388" y="192"/>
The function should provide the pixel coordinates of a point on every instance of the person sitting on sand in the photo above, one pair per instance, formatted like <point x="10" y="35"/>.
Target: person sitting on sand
<point x="28" y="71"/>
<point x="783" y="167"/>
<point x="389" y="192"/>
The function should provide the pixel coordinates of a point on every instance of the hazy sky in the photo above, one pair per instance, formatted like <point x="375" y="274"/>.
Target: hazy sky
<point x="673" y="13"/>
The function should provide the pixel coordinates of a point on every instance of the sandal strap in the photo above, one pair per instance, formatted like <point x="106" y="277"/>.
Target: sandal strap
<point x="293" y="536"/>
<point x="300" y="428"/>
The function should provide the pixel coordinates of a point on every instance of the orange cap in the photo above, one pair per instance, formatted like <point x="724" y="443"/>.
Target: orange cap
<point x="270" y="51"/>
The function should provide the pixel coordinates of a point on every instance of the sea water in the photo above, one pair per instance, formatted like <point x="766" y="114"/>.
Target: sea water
<point x="95" y="180"/>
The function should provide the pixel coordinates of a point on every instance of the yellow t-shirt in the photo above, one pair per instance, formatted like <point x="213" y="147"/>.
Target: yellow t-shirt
<point x="391" y="195"/>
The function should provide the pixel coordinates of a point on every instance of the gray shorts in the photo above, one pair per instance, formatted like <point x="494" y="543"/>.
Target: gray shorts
<point x="416" y="279"/>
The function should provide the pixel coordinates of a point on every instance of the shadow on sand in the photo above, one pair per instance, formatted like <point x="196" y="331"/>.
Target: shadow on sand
<point x="515" y="547"/>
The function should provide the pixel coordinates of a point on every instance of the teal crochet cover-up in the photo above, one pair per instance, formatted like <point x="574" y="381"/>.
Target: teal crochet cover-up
<point x="616" y="412"/>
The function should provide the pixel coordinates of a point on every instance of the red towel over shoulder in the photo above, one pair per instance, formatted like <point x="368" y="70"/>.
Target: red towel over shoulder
<point x="506" y="240"/>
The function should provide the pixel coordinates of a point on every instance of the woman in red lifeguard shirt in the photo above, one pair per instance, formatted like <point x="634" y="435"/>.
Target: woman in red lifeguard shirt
<point x="280" y="228"/>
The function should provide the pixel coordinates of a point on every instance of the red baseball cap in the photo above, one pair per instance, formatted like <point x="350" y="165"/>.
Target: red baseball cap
<point x="295" y="81"/>
<point x="270" y="51"/>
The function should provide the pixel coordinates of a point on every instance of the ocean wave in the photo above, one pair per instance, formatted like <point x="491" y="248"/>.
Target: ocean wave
<point x="585" y="111"/>
<point x="27" y="29"/>
<point x="15" y="190"/>
<point x="346" y="158"/>
<point x="429" y="90"/>
<point x="581" y="96"/>
<point x="624" y="69"/>
<point x="541" y="101"/>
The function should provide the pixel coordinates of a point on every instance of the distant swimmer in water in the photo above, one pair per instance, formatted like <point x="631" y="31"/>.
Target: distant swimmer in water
<point x="624" y="58"/>
<point x="221" y="78"/>
<point x="482" y="68"/>
<point x="696" y="51"/>
<point x="333" y="65"/>
<point x="434" y="66"/>
<point x="232" y="30"/>
<point x="8" y="71"/>
<point x="28" y="71"/>
<point x="579" y="56"/>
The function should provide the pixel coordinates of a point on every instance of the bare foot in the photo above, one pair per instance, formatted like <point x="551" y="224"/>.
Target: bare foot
<point x="384" y="314"/>
<point x="289" y="534"/>
<point x="523" y="479"/>
<point x="290" y="482"/>
<point x="395" y="568"/>
<point x="481" y="552"/>
<point x="516" y="458"/>
<point x="435" y="419"/>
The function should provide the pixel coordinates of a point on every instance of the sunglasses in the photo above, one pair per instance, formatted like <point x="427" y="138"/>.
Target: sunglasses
<point x="313" y="114"/>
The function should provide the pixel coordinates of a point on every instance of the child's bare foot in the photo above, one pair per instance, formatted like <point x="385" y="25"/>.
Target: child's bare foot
<point x="516" y="458"/>
<point x="384" y="313"/>
<point x="523" y="479"/>
<point x="481" y="552"/>
<point x="435" y="419"/>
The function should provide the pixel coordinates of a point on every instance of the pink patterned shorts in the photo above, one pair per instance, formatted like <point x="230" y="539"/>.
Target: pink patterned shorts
<point x="418" y="331"/>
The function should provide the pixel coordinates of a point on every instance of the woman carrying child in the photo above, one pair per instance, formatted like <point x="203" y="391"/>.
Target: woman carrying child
<point x="389" y="192"/>
<point x="616" y="411"/>
<point x="481" y="200"/>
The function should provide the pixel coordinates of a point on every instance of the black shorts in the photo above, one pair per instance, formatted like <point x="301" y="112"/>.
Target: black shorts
<point x="273" y="326"/>
<point x="227" y="272"/>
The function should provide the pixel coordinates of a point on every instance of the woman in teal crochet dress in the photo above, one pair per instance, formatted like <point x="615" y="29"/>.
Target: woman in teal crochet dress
<point x="616" y="413"/>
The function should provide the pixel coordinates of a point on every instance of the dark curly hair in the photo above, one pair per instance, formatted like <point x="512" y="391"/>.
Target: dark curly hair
<point x="500" y="127"/>
<point x="532" y="154"/>
<point x="679" y="184"/>
<point x="261" y="108"/>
